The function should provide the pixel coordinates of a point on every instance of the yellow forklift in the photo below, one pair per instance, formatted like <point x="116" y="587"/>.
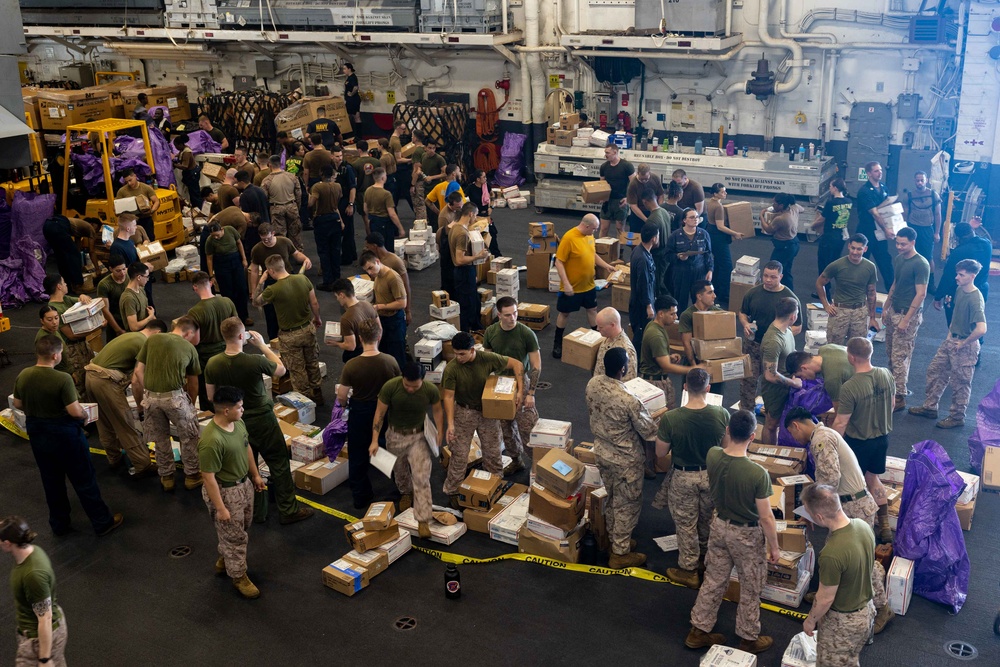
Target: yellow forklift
<point x="167" y="224"/>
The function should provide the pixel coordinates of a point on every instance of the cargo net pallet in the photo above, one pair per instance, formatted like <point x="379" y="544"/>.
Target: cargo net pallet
<point x="444" y="123"/>
<point x="247" y="116"/>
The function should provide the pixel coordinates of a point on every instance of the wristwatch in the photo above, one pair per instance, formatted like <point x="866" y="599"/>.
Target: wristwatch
<point x="45" y="660"/>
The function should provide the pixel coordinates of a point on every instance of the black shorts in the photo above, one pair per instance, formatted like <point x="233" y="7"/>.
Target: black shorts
<point x="870" y="453"/>
<point x="613" y="210"/>
<point x="571" y="304"/>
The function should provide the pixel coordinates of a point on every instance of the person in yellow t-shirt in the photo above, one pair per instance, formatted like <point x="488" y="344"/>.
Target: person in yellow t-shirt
<point x="576" y="262"/>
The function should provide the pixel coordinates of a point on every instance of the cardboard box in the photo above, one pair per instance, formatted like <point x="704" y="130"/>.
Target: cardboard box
<point x="61" y="108"/>
<point x="990" y="478"/>
<point x="153" y="254"/>
<point x="213" y="172"/>
<point x="584" y="453"/>
<point x="397" y="547"/>
<point x="599" y="138"/>
<point x="364" y="539"/>
<point x="720" y="655"/>
<point x="566" y="549"/>
<point x="345" y="577"/>
<point x="792" y="536"/>
<point x="965" y="512"/>
<point x="296" y="118"/>
<point x="374" y="561"/>
<point x="379" y="516"/>
<point x="440" y="533"/>
<point x="971" y="487"/>
<point x="778" y="467"/>
<point x="777" y="501"/>
<point x="507" y="524"/>
<point x="440" y="298"/>
<point x="790" y="569"/>
<point x="479" y="521"/>
<point x="541" y="229"/>
<point x="564" y="138"/>
<point x="408" y="150"/>
<point x="608" y="248"/>
<point x="740" y="217"/>
<point x="595" y="192"/>
<point x="560" y="473"/>
<point x="426" y="348"/>
<point x="580" y="348"/>
<point x="551" y="433"/>
<point x="714" y="325"/>
<point x="331" y="334"/>
<point x="174" y="97"/>
<point x="899" y="584"/>
<point x="735" y="368"/>
<point x="322" y="476"/>
<point x="445" y="312"/>
<point x="744" y="278"/>
<point x="538" y="264"/>
<point x="500" y="397"/>
<point x="562" y="512"/>
<point x="736" y="293"/>
<point x="620" y="296"/>
<point x="747" y="265"/>
<point x="895" y="470"/>
<point x="306" y="449"/>
<point x="535" y="316"/>
<point x="788" y="597"/>
<point x="717" y="349"/>
<point x="630" y="239"/>
<point x="650" y="395"/>
<point x="480" y="490"/>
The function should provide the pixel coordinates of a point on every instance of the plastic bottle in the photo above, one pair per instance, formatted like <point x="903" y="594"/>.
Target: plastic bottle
<point x="802" y="152"/>
<point x="588" y="549"/>
<point x="781" y="149"/>
<point x="644" y="142"/>
<point x="698" y="146"/>
<point x="730" y="148"/>
<point x="812" y="151"/>
<point x="452" y="583"/>
<point x="676" y="143"/>
<point x="746" y="151"/>
<point x="656" y="144"/>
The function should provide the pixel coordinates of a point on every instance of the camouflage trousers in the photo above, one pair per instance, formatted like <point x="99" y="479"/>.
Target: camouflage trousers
<point x="622" y="477"/>
<point x="161" y="409"/>
<point x="748" y="386"/>
<point x="419" y="205"/>
<point x="299" y="356"/>
<point x="899" y="345"/>
<point x="78" y="354"/>
<point x="413" y="468"/>
<point x="667" y="386"/>
<point x="878" y="586"/>
<point x="233" y="538"/>
<point x="115" y="427"/>
<point x="729" y="546"/>
<point x="467" y="423"/>
<point x="953" y="365"/>
<point x="842" y="636"/>
<point x="27" y="647"/>
<point x="848" y="323"/>
<point x="691" y="507"/>
<point x="517" y="431"/>
<point x="285" y="218"/>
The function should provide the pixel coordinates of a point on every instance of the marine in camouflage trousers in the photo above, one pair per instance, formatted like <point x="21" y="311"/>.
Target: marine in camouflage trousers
<point x="419" y="205"/>
<point x="299" y="356"/>
<point x="953" y="365"/>
<point x="748" y="385"/>
<point x="78" y="354"/>
<point x="728" y="546"/>
<point x="517" y="431"/>
<point x="622" y="473"/>
<point x="285" y="218"/>
<point x="413" y="468"/>
<point x="27" y="647"/>
<point x="115" y="427"/>
<point x="848" y="323"/>
<point x="233" y="538"/>
<point x="842" y="636"/>
<point x="467" y="423"/>
<point x="899" y="345"/>
<point x="691" y="506"/>
<point x="667" y="386"/>
<point x="161" y="409"/>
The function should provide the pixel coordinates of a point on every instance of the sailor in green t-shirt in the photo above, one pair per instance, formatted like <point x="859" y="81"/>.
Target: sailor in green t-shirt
<point x="513" y="339"/>
<point x="656" y="361"/>
<point x="743" y="525"/>
<point x="778" y="343"/>
<point x="854" y="297"/>
<point x="904" y="309"/>
<point x="229" y="469"/>
<point x="76" y="351"/>
<point x="830" y="364"/>
<point x="406" y="399"/>
<point x="209" y="313"/>
<point x="463" y="383"/>
<point x="843" y="608"/>
<point x="703" y="298"/>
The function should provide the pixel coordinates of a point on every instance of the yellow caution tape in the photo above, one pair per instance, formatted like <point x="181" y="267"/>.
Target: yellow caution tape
<point x="458" y="559"/>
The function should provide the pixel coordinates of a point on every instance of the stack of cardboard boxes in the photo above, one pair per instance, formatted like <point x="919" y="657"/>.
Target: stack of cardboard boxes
<point x="376" y="542"/>
<point x="542" y="245"/>
<point x="715" y="343"/>
<point x="442" y="308"/>
<point x="420" y="249"/>
<point x="83" y="318"/>
<point x="609" y="250"/>
<point x="493" y="506"/>
<point x="817" y="320"/>
<point x="621" y="287"/>
<point x="745" y="276"/>
<point x="497" y="264"/>
<point x="787" y="580"/>
<point x="428" y="353"/>
<point x="507" y="282"/>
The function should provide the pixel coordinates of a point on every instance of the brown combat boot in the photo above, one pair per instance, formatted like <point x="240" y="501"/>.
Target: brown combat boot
<point x="246" y="588"/>
<point x="220" y="565"/>
<point x="700" y="639"/>
<point x="631" y="559"/>
<point x="900" y="403"/>
<point x="883" y="617"/>
<point x="453" y="502"/>
<point x="688" y="578"/>
<point x="167" y="484"/>
<point x="424" y="530"/>
<point x="192" y="482"/>
<point x="885" y="532"/>
<point x="759" y="645"/>
<point x="317" y="397"/>
<point x="301" y="515"/>
<point x="515" y="466"/>
<point x="405" y="502"/>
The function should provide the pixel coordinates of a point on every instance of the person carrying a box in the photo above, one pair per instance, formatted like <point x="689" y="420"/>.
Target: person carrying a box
<point x="778" y="343"/>
<point x="642" y="179"/>
<point x="390" y="304"/>
<point x="620" y="424"/>
<point x="235" y="367"/>
<point x="354" y="313"/>
<point x="406" y="400"/>
<point x="576" y="259"/>
<point x="702" y="299"/>
<point x="133" y="188"/>
<point x="76" y="350"/>
<point x="463" y="382"/>
<point x="464" y="260"/>
<point x="831" y="224"/>
<point x="870" y="196"/>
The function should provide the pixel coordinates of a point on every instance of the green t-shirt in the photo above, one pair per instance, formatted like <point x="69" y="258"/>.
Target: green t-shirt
<point x="366" y="375"/>
<point x="120" y="353"/>
<point x="33" y="581"/>
<point x="662" y="219"/>
<point x="112" y="291"/>
<point x="759" y="304"/>
<point x="910" y="272"/>
<point x="169" y="360"/>
<point x="290" y="297"/>
<point x="432" y="164"/>
<point x="846" y="562"/>
<point x="969" y="311"/>
<point x="132" y="302"/>
<point x="209" y="313"/>
<point x="408" y="410"/>
<point x="685" y="322"/>
<point x="224" y="453"/>
<point x="655" y="343"/>
<point x="64" y="305"/>
<point x="851" y="281"/>
<point x="244" y="371"/>
<point x="775" y="348"/>
<point x="836" y="369"/>
<point x="469" y="380"/>
<point x="869" y="398"/>
<point x="63" y="365"/>
<point x="736" y="483"/>
<point x="226" y="245"/>
<point x="418" y="155"/>
<point x="44" y="392"/>
<point x="516" y="343"/>
<point x="691" y="433"/>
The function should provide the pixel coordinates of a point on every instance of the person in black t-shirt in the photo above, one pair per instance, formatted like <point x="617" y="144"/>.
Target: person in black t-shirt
<point x="324" y="127"/>
<point x="831" y="223"/>
<point x="616" y="172"/>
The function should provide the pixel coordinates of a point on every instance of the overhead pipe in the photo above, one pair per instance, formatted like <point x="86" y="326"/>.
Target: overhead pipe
<point x="532" y="40"/>
<point x="812" y="36"/>
<point x="797" y="62"/>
